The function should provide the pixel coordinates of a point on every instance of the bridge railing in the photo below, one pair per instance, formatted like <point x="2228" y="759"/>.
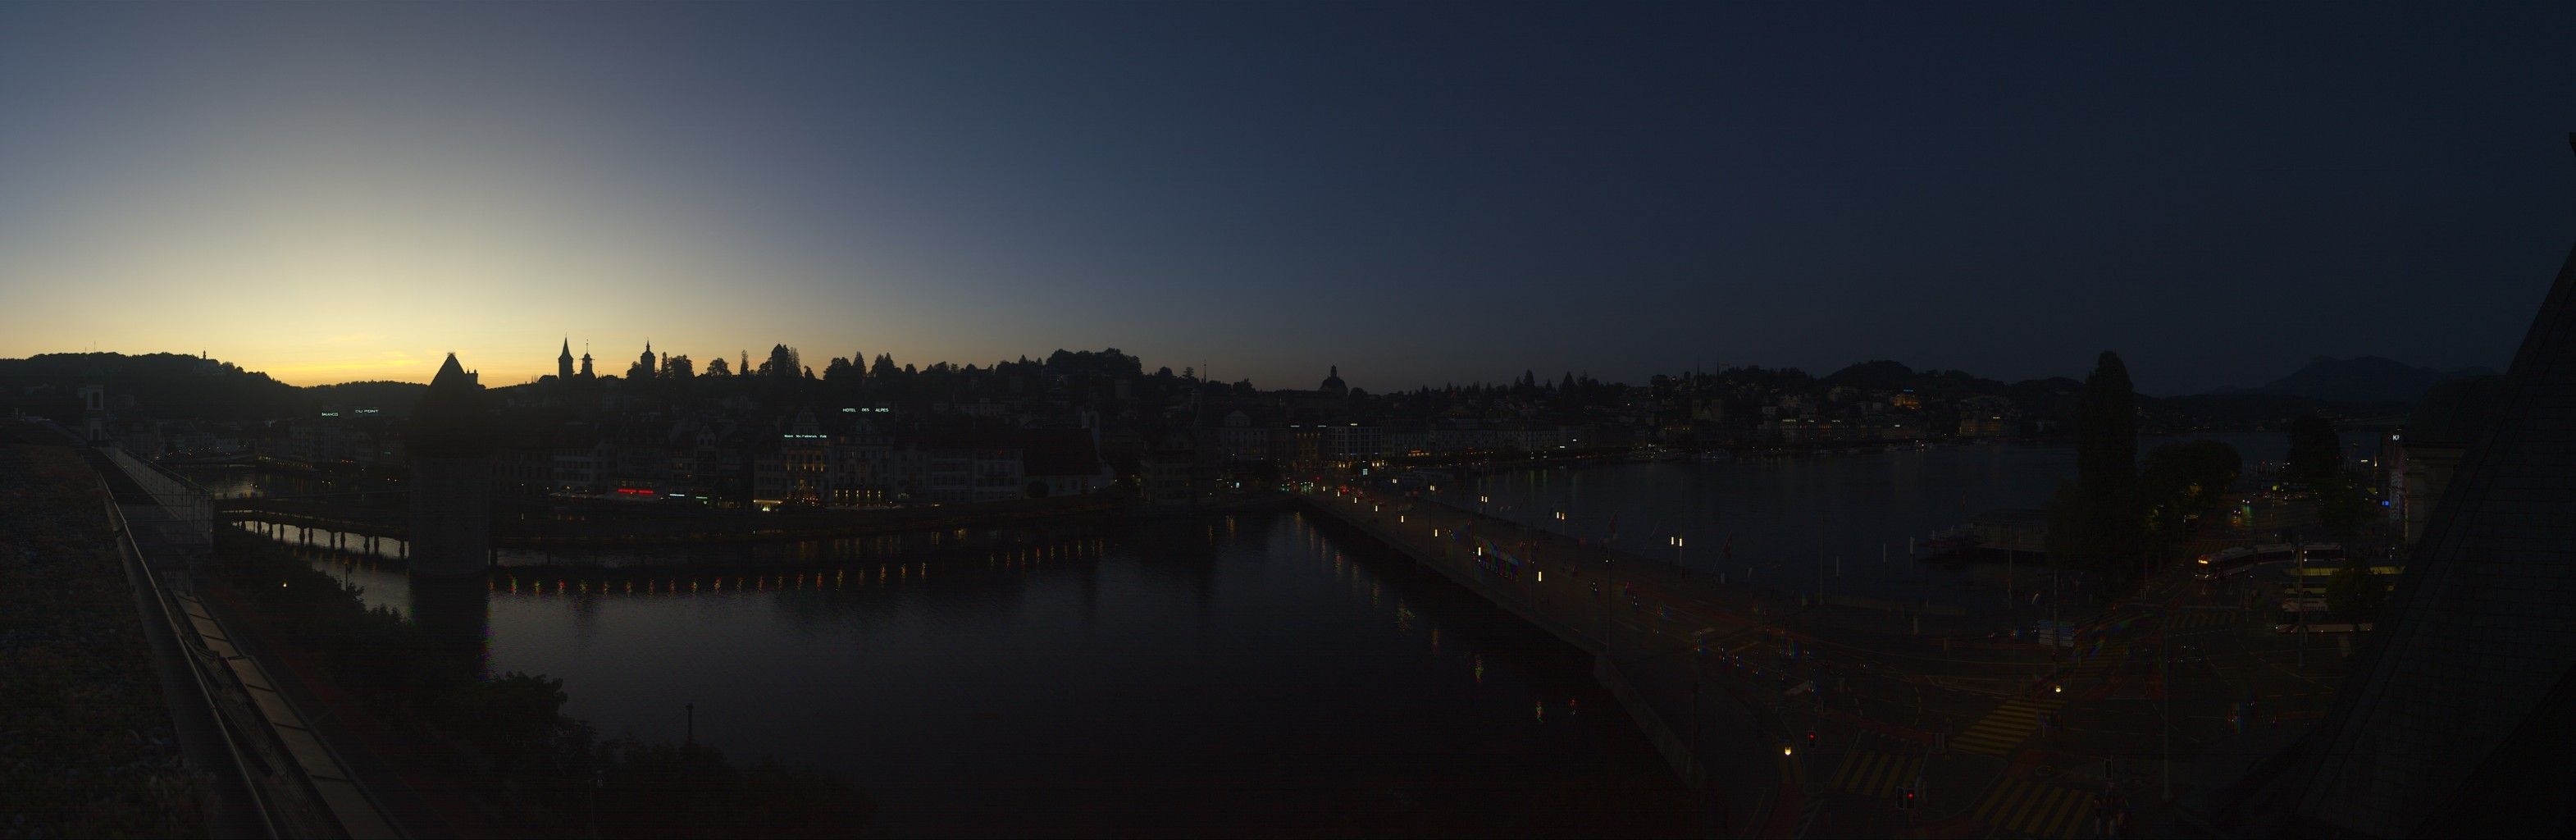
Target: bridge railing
<point x="291" y="776"/>
<point x="190" y="509"/>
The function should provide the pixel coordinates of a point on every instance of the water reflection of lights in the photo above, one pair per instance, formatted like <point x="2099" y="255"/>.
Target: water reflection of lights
<point x="1024" y="559"/>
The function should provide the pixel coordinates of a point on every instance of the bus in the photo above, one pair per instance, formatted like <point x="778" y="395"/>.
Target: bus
<point x="2235" y="561"/>
<point x="2312" y="571"/>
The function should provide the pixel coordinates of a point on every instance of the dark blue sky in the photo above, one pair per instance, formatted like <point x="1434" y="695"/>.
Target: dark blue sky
<point x="1417" y="193"/>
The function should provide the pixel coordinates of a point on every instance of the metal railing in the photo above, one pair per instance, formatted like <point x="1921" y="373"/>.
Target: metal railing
<point x="140" y="572"/>
<point x="364" y="816"/>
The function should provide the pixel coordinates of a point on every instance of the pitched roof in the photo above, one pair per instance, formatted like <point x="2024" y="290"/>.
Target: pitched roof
<point x="2454" y="410"/>
<point x="2481" y="632"/>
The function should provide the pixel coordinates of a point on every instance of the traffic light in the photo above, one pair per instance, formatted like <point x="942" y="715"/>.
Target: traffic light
<point x="1905" y="798"/>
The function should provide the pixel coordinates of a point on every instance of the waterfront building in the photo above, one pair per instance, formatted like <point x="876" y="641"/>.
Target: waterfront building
<point x="790" y="468"/>
<point x="581" y="463"/>
<point x="1175" y="471"/>
<point x="1063" y="462"/>
<point x="2428" y="449"/>
<point x="1300" y="449"/>
<point x="1354" y="441"/>
<point x="852" y="461"/>
<point x="962" y="471"/>
<point x="1240" y="442"/>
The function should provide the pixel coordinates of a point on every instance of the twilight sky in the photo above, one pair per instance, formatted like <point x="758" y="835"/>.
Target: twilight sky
<point x="1417" y="193"/>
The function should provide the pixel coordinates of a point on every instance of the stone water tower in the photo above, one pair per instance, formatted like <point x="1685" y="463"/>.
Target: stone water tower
<point x="450" y="445"/>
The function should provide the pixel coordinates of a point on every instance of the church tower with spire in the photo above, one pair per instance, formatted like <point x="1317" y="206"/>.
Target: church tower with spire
<point x="563" y="363"/>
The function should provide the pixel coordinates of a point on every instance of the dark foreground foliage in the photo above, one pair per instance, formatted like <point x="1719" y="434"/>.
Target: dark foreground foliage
<point x="512" y="732"/>
<point x="86" y="748"/>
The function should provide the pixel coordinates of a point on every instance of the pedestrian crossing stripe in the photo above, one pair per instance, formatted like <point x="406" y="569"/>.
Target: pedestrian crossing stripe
<point x="2099" y="662"/>
<point x="1874" y="773"/>
<point x="2006" y="726"/>
<point x="2034" y="809"/>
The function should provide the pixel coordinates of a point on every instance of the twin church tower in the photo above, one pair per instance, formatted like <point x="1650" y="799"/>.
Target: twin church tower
<point x="564" y="369"/>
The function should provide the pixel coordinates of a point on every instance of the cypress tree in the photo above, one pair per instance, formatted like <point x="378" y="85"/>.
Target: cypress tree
<point x="2106" y="467"/>
<point x="2315" y="456"/>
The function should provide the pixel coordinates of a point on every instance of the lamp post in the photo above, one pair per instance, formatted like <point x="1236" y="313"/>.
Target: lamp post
<point x="1677" y="552"/>
<point x="1609" y="627"/>
<point x="2299" y="550"/>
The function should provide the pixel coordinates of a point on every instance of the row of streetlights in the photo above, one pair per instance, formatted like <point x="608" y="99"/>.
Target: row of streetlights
<point x="1679" y="544"/>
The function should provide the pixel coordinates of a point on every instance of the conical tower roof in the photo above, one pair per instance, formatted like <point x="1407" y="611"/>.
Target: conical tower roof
<point x="449" y="419"/>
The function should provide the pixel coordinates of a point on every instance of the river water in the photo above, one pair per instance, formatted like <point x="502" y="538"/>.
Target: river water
<point x="1225" y="675"/>
<point x="1230" y="675"/>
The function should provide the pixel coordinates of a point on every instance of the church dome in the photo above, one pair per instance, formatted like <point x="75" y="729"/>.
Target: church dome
<point x="1333" y="383"/>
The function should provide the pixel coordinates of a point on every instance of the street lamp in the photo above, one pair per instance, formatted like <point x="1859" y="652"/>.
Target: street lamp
<point x="2299" y="550"/>
<point x="1677" y="552"/>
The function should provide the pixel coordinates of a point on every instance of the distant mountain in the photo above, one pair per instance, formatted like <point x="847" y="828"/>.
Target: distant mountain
<point x="392" y="398"/>
<point x="1881" y="375"/>
<point x="176" y="387"/>
<point x="2368" y="379"/>
<point x="164" y="385"/>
